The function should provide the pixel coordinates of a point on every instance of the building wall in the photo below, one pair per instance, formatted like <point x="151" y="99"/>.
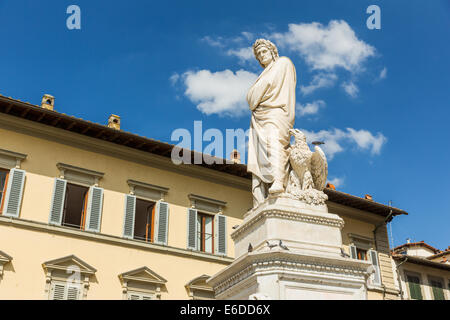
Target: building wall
<point x="30" y="241"/>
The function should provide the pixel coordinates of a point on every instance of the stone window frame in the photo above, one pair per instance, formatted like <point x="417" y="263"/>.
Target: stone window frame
<point x="4" y="259"/>
<point x="421" y="283"/>
<point x="78" y="175"/>
<point x="206" y="205"/>
<point x="147" y="191"/>
<point x="10" y="159"/>
<point x="60" y="264"/>
<point x="198" y="284"/>
<point x="438" y="279"/>
<point x="150" y="278"/>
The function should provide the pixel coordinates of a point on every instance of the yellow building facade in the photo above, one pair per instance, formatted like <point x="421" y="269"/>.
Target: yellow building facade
<point x="92" y="212"/>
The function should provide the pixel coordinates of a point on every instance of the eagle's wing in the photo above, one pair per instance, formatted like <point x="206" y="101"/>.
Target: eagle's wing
<point x="319" y="168"/>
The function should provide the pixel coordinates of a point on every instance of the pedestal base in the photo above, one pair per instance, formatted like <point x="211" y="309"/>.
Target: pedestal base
<point x="307" y="265"/>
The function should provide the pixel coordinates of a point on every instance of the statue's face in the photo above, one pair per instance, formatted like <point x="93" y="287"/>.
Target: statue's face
<point x="264" y="55"/>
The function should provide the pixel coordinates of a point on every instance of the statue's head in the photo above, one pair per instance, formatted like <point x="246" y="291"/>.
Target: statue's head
<point x="265" y="52"/>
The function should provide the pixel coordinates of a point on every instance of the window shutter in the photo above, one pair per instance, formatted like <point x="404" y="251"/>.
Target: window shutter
<point x="130" y="209"/>
<point x="438" y="292"/>
<point x="375" y="277"/>
<point x="14" y="192"/>
<point x="72" y="292"/>
<point x="414" y="287"/>
<point x="95" y="203"/>
<point x="353" y="253"/>
<point x="162" y="222"/>
<point x="59" y="291"/>
<point x="59" y="195"/>
<point x="220" y="234"/>
<point x="192" y="229"/>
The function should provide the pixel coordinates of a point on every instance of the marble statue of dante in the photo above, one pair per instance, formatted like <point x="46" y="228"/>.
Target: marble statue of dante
<point x="272" y="102"/>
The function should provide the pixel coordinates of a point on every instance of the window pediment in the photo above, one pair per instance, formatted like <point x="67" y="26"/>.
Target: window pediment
<point x="146" y="190"/>
<point x="206" y="204"/>
<point x="4" y="259"/>
<point x="10" y="159"/>
<point x="144" y="280"/>
<point x="361" y="241"/>
<point x="80" y="175"/>
<point x="67" y="264"/>
<point x="199" y="289"/>
<point x="143" y="274"/>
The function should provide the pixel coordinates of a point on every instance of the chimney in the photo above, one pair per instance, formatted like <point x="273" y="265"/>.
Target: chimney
<point x="331" y="186"/>
<point x="235" y="156"/>
<point x="48" y="102"/>
<point x="368" y="197"/>
<point x="408" y="240"/>
<point x="114" y="122"/>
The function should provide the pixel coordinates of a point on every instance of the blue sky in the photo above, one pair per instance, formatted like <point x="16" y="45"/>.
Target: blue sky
<point x="381" y="101"/>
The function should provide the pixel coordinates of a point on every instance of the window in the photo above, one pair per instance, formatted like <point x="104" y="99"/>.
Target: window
<point x="205" y="232"/>
<point x="76" y="206"/>
<point x="361" y="254"/>
<point x="74" y="213"/>
<point x="365" y="253"/>
<point x="143" y="221"/>
<point x="4" y="174"/>
<point x="438" y="289"/>
<point x="415" y="290"/>
<point x="146" y="220"/>
<point x="67" y="278"/>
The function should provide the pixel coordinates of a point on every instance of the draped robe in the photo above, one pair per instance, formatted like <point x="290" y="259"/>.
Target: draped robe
<point x="272" y="102"/>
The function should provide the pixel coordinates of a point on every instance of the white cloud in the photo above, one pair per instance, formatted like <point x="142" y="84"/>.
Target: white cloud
<point x="174" y="78"/>
<point x="383" y="74"/>
<point x="213" y="42"/>
<point x="365" y="140"/>
<point x="309" y="108"/>
<point x="321" y="80"/>
<point x="351" y="88"/>
<point x="336" y="140"/>
<point x="337" y="182"/>
<point x="326" y="47"/>
<point x="222" y="92"/>
<point x="244" y="54"/>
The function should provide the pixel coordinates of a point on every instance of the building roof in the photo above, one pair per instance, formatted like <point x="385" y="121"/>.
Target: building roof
<point x="421" y="261"/>
<point x="440" y="254"/>
<point x="417" y="244"/>
<point x="65" y="122"/>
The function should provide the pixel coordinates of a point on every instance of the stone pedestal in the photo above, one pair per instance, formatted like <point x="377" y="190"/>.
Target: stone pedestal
<point x="310" y="266"/>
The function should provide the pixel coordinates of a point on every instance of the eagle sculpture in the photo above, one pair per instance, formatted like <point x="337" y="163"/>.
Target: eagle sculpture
<point x="309" y="171"/>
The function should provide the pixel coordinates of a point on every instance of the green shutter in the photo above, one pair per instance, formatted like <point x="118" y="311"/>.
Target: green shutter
<point x="192" y="229"/>
<point x="95" y="203"/>
<point x="130" y="209"/>
<point x="438" y="292"/>
<point x="375" y="277"/>
<point x="220" y="225"/>
<point x="414" y="287"/>
<point x="57" y="207"/>
<point x="162" y="222"/>
<point x="14" y="192"/>
<point x="353" y="253"/>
